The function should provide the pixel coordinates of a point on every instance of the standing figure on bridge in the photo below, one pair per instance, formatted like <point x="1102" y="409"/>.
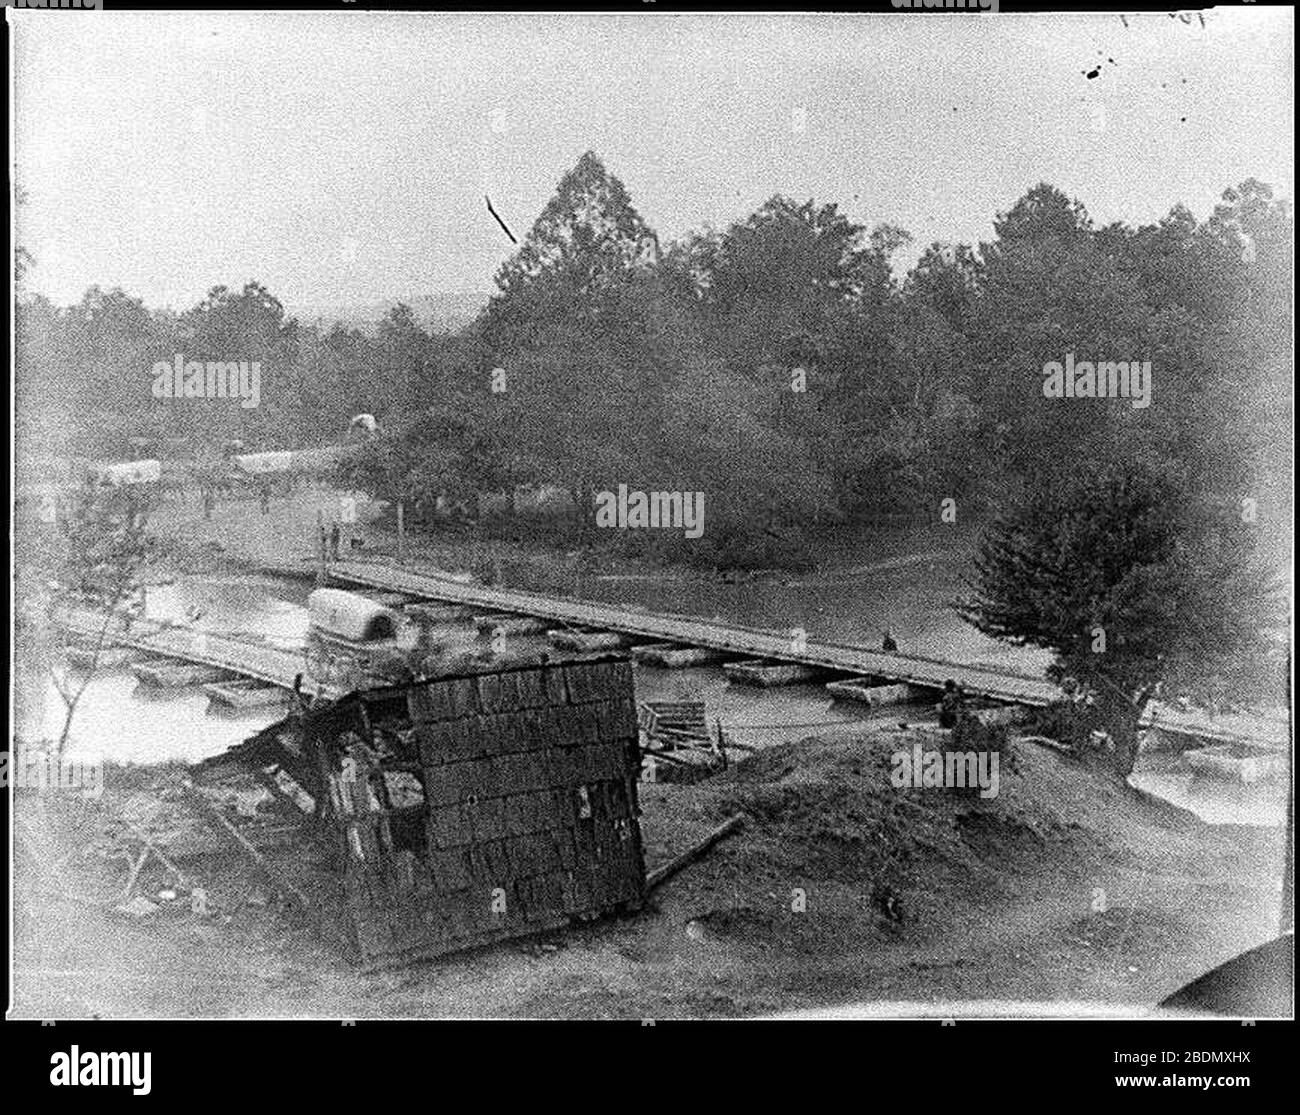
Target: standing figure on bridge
<point x="887" y="642"/>
<point x="336" y="536"/>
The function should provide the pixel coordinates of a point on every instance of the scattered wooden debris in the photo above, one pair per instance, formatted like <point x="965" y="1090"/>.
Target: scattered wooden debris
<point x="677" y="734"/>
<point x="673" y="721"/>
<point x="208" y="807"/>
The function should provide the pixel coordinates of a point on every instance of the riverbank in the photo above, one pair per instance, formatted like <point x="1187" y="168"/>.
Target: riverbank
<point x="839" y="889"/>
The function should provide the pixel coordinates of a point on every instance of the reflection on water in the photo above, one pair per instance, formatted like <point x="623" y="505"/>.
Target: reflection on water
<point x="119" y="721"/>
<point x="116" y="723"/>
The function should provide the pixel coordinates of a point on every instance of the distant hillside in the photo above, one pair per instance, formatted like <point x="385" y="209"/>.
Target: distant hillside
<point x="445" y="312"/>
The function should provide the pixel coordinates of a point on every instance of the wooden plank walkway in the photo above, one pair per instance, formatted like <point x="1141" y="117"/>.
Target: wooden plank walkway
<point x="751" y="642"/>
<point x="245" y="657"/>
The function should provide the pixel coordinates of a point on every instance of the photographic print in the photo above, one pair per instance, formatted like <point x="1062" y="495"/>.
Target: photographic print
<point x="651" y="516"/>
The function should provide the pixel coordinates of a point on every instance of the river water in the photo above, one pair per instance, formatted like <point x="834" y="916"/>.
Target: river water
<point x="909" y="593"/>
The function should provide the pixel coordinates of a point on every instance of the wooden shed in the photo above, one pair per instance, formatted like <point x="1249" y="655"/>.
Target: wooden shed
<point x="473" y="808"/>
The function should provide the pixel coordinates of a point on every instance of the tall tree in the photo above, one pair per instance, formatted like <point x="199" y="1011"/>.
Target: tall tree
<point x="578" y="385"/>
<point x="1132" y="581"/>
<point x="587" y="239"/>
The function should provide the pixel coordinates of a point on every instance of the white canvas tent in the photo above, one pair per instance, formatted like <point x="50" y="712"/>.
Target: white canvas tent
<point x="126" y="472"/>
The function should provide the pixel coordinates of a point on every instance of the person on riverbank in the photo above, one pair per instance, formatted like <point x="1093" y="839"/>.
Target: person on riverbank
<point x="336" y="537"/>
<point x="950" y="707"/>
<point x="887" y="642"/>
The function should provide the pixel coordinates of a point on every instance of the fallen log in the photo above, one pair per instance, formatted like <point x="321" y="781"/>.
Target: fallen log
<point x="674" y="865"/>
<point x="1047" y="741"/>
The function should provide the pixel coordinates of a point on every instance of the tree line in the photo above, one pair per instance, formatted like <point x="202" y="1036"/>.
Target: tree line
<point x="780" y="366"/>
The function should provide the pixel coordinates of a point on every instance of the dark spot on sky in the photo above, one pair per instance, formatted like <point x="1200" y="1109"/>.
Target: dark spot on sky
<point x="499" y="220"/>
<point x="1182" y="119"/>
<point x="1090" y="74"/>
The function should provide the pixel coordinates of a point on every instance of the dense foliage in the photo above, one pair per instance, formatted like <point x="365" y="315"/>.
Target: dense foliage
<point x="779" y="366"/>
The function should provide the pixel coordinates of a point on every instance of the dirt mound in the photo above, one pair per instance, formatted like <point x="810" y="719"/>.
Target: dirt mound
<point x="830" y="810"/>
<point x="994" y="836"/>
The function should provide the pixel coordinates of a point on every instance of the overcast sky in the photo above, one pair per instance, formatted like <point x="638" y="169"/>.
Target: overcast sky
<point x="343" y="159"/>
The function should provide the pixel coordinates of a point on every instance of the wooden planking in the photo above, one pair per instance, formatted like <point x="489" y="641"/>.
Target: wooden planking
<point x="529" y="809"/>
<point x="848" y="658"/>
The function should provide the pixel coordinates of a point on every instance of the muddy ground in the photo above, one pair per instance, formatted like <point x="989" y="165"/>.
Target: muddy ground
<point x="840" y="889"/>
